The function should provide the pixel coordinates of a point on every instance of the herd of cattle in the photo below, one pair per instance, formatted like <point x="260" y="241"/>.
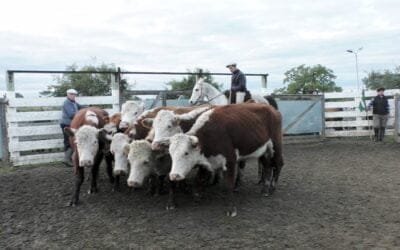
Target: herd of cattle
<point x="167" y="147"/>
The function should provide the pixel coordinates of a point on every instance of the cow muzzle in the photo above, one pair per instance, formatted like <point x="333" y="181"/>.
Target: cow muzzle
<point x="117" y="172"/>
<point x="85" y="163"/>
<point x="133" y="184"/>
<point x="176" y="177"/>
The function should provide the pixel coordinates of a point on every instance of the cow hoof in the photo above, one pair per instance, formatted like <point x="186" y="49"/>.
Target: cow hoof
<point x="93" y="190"/>
<point x="232" y="213"/>
<point x="170" y="207"/>
<point x="72" y="204"/>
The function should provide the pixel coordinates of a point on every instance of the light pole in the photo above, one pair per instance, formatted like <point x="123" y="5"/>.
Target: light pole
<point x="355" y="52"/>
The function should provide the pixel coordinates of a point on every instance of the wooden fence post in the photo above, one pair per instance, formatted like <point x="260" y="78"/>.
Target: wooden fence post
<point x="115" y="92"/>
<point x="264" y="84"/>
<point x="397" y="117"/>
<point x="11" y="110"/>
<point x="3" y="130"/>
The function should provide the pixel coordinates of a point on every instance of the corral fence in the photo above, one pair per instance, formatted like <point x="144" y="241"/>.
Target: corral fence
<point x="343" y="117"/>
<point x="303" y="116"/>
<point x="31" y="131"/>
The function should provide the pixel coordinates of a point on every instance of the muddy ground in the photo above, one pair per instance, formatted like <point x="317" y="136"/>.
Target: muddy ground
<point x="336" y="194"/>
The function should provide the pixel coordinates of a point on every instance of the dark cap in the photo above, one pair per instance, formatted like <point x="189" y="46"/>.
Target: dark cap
<point x="380" y="89"/>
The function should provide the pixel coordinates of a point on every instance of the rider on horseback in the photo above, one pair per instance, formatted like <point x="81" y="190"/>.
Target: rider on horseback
<point x="239" y="92"/>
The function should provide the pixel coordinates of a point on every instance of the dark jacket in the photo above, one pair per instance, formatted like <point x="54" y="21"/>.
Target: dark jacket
<point x="238" y="81"/>
<point x="69" y="109"/>
<point x="380" y="105"/>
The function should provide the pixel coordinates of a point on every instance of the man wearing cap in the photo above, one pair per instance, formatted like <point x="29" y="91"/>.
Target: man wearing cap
<point x="69" y="108"/>
<point x="380" y="111"/>
<point x="238" y="84"/>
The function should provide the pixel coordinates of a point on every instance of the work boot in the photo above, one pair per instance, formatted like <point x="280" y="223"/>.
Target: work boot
<point x="68" y="157"/>
<point x="376" y="131"/>
<point x="381" y="134"/>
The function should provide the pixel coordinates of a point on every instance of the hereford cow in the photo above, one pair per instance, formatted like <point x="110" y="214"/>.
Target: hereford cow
<point x="223" y="135"/>
<point x="86" y="146"/>
<point x="130" y="111"/>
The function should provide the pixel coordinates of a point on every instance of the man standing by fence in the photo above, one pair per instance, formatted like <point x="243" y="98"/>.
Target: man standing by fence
<point x="380" y="111"/>
<point x="69" y="109"/>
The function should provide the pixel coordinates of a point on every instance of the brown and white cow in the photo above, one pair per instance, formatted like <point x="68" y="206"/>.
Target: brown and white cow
<point x="86" y="146"/>
<point x="223" y="135"/>
<point x="130" y="111"/>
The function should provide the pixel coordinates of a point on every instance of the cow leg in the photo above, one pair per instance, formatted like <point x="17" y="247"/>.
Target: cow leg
<point x="202" y="179"/>
<point x="267" y="175"/>
<point x="239" y="176"/>
<point x="95" y="174"/>
<point x="230" y="180"/>
<point x="78" y="182"/>
<point x="109" y="158"/>
<point x="160" y="185"/>
<point x="152" y="185"/>
<point x="171" y="196"/>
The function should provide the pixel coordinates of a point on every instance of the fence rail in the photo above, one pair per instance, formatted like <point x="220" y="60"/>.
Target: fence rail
<point x="343" y="117"/>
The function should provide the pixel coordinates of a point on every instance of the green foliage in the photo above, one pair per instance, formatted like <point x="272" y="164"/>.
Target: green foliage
<point x="187" y="83"/>
<point x="95" y="84"/>
<point x="306" y="80"/>
<point x="388" y="79"/>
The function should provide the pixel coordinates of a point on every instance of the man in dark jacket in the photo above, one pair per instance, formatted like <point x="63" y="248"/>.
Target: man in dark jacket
<point x="380" y="111"/>
<point x="69" y="109"/>
<point x="238" y="84"/>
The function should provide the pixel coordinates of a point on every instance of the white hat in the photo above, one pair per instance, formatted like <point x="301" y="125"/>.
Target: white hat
<point x="72" y="91"/>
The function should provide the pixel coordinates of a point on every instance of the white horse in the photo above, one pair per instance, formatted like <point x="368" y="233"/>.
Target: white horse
<point x="204" y="91"/>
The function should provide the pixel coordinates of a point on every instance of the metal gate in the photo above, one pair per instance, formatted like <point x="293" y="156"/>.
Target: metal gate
<point x="303" y="115"/>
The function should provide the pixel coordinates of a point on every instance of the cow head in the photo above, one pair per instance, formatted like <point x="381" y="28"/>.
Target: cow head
<point x="87" y="143"/>
<point x="130" y="111"/>
<point x="185" y="154"/>
<point x="165" y="125"/>
<point x="118" y="148"/>
<point x="141" y="160"/>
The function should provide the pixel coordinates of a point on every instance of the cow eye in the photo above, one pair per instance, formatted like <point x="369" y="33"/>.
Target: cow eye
<point x="135" y="113"/>
<point x="146" y="162"/>
<point x="186" y="153"/>
<point x="169" y="126"/>
<point x="196" y="89"/>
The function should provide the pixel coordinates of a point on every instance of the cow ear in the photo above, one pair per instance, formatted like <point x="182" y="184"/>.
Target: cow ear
<point x="127" y="147"/>
<point x="194" y="140"/>
<point x="70" y="131"/>
<point x="147" y="122"/>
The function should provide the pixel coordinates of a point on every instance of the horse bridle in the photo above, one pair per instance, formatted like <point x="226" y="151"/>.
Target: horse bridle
<point x="208" y="99"/>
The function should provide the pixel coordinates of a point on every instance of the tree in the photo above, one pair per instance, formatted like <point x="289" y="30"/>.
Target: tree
<point x="306" y="80"/>
<point x="96" y="84"/>
<point x="388" y="79"/>
<point x="187" y="83"/>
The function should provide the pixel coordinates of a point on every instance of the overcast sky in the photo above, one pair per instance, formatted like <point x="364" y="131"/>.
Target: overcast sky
<point x="261" y="36"/>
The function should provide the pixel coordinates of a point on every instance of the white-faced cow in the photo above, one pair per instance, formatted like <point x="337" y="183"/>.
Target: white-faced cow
<point x="88" y="149"/>
<point x="130" y="111"/>
<point x="222" y="136"/>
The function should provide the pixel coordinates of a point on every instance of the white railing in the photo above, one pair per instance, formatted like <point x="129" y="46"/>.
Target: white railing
<point x="33" y="127"/>
<point x="343" y="117"/>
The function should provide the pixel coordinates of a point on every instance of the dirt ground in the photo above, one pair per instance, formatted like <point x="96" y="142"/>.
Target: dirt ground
<point x="336" y="194"/>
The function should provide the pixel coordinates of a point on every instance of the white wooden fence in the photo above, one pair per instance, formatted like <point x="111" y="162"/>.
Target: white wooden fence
<point x="343" y="117"/>
<point x="35" y="135"/>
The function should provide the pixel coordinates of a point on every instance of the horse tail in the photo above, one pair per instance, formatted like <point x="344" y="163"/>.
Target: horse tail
<point x="272" y="101"/>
